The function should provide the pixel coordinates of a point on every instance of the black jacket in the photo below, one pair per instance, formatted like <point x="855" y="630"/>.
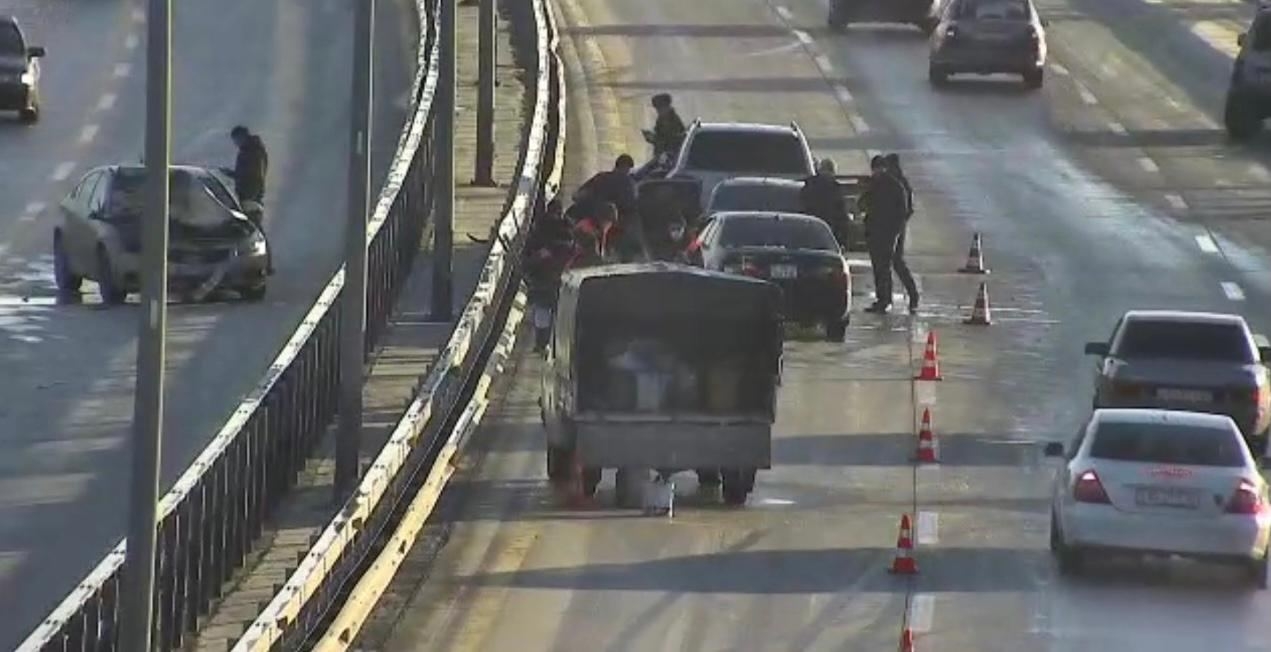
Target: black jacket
<point x="668" y="133"/>
<point x="909" y="194"/>
<point x="821" y="197"/>
<point x="886" y="205"/>
<point x="250" y="168"/>
<point x="611" y="186"/>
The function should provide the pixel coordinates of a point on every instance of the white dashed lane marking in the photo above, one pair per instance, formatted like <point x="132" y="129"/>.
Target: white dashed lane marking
<point x="88" y="133"/>
<point x="1206" y="243"/>
<point x="132" y="42"/>
<point x="123" y="69"/>
<point x="922" y="611"/>
<point x="1258" y="172"/>
<point x="1176" y="201"/>
<point x="1087" y="96"/>
<point x="928" y="528"/>
<point x="1118" y="128"/>
<point x="1148" y="165"/>
<point x="1233" y="291"/>
<point x="858" y="123"/>
<point x="824" y="64"/>
<point x="35" y="208"/>
<point x="1059" y="69"/>
<point x="804" y="37"/>
<point x="785" y="13"/>
<point x="106" y="102"/>
<point x="62" y="171"/>
<point x="844" y="95"/>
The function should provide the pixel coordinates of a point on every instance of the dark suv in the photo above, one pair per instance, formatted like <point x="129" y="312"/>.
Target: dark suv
<point x="19" y="71"/>
<point x="1249" y="95"/>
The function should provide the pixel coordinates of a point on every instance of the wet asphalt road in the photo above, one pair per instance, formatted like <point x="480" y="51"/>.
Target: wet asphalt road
<point x="280" y="68"/>
<point x="1110" y="189"/>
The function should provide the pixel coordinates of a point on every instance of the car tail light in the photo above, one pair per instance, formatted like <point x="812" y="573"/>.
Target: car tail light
<point x="1246" y="500"/>
<point x="1126" y="390"/>
<point x="749" y="268"/>
<point x="1089" y="490"/>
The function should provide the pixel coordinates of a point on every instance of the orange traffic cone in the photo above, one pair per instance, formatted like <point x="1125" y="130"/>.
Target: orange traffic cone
<point x="930" y="365"/>
<point x="926" y="440"/>
<point x="975" y="258"/>
<point x="904" y="563"/>
<point x="980" y="313"/>
<point x="906" y="640"/>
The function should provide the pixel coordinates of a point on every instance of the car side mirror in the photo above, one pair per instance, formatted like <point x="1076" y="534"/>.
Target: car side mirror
<point x="1097" y="348"/>
<point x="1240" y="39"/>
<point x="35" y="51"/>
<point x="1054" y="449"/>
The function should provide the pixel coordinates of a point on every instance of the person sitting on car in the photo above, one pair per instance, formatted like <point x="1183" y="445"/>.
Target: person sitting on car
<point x="668" y="130"/>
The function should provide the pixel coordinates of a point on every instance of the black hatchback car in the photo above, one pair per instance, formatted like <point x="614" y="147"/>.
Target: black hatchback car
<point x="19" y="71"/>
<point x="796" y="252"/>
<point x="987" y="37"/>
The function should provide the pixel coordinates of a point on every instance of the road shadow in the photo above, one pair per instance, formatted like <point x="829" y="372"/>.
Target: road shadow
<point x="786" y="572"/>
<point x="895" y="449"/>
<point x="682" y="31"/>
<point x="985" y="85"/>
<point x="731" y="85"/>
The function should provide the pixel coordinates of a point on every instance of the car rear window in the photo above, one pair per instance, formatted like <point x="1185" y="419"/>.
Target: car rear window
<point x="776" y="232"/>
<point x="994" y="9"/>
<point x="755" y="197"/>
<point x="1185" y="340"/>
<point x="1163" y="443"/>
<point x="741" y="151"/>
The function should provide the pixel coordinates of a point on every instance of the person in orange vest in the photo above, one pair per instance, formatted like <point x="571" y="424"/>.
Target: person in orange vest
<point x="592" y="234"/>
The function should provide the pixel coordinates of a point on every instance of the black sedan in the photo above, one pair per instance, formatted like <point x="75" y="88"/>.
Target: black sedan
<point x="796" y="252"/>
<point x="213" y="244"/>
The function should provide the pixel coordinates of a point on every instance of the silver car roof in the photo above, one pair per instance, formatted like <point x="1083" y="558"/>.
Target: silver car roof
<point x="746" y="126"/>
<point x="724" y="215"/>
<point x="759" y="181"/>
<point x="1184" y="316"/>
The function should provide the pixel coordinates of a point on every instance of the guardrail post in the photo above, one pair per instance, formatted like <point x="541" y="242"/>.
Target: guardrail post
<point x="353" y="295"/>
<point x="443" y="226"/>
<point x="487" y="48"/>
<point x="138" y="605"/>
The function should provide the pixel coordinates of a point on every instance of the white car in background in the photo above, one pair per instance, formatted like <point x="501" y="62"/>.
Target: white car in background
<point x="1148" y="482"/>
<point x="716" y="151"/>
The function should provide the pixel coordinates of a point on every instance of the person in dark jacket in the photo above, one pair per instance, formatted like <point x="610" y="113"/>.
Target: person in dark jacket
<point x="611" y="186"/>
<point x="886" y="211"/>
<point x="250" y="166"/>
<point x="893" y="166"/>
<point x="668" y="129"/>
<point x="821" y="197"/>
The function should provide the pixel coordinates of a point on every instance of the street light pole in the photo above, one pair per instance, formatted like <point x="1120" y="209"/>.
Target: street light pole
<point x="353" y="295"/>
<point x="444" y="172"/>
<point x="137" y="595"/>
<point x="486" y="44"/>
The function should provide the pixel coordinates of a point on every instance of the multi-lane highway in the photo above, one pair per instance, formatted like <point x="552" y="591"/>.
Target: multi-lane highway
<point x="1111" y="188"/>
<point x="283" y="69"/>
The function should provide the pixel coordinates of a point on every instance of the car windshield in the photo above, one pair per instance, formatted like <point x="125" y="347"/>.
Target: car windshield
<point x="994" y="10"/>
<point x="192" y="201"/>
<point x="1164" y="443"/>
<point x="777" y="232"/>
<point x="1215" y="342"/>
<point x="741" y="151"/>
<point x="756" y="197"/>
<point x="10" y="40"/>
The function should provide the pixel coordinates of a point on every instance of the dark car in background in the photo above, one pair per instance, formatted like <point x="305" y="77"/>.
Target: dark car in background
<point x="213" y="245"/>
<point x="19" y="71"/>
<point x="1193" y="361"/>
<point x="756" y="194"/>
<point x="988" y="37"/>
<point x="796" y="252"/>
<point x="1249" y="93"/>
<point x="919" y="13"/>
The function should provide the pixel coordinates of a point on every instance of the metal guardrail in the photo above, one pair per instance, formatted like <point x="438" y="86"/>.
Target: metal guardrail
<point x="215" y="511"/>
<point x="399" y="490"/>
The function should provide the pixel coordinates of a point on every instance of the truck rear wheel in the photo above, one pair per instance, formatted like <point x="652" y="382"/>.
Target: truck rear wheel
<point x="738" y="483"/>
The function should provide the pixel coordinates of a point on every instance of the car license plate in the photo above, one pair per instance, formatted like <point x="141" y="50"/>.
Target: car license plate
<point x="1185" y="395"/>
<point x="783" y="271"/>
<point x="1167" y="497"/>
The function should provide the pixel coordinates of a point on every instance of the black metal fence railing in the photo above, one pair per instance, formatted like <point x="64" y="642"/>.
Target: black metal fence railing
<point x="304" y="605"/>
<point x="216" y="510"/>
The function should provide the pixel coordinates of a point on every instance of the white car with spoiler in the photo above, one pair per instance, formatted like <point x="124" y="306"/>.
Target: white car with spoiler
<point x="1148" y="482"/>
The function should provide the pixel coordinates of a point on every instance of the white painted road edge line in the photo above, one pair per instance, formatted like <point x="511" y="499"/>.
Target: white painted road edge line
<point x="922" y="612"/>
<point x="823" y="62"/>
<point x="62" y="171"/>
<point x="1148" y="165"/>
<point x="844" y="95"/>
<point x="928" y="528"/>
<point x="132" y="42"/>
<point x="784" y="12"/>
<point x="1118" y="128"/>
<point x="123" y="69"/>
<point x="1206" y="243"/>
<point x="1233" y="291"/>
<point x="1176" y="201"/>
<point x="858" y="123"/>
<point x="804" y="37"/>
<point x="106" y="102"/>
<point x="1086" y="95"/>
